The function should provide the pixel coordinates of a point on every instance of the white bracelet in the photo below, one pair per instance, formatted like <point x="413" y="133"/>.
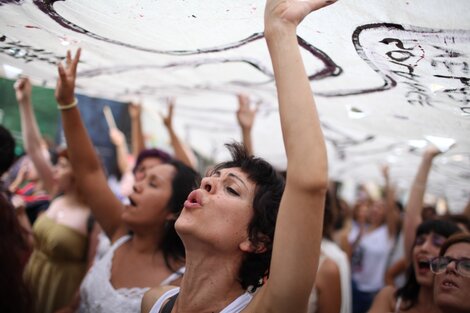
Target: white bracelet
<point x="68" y="106"/>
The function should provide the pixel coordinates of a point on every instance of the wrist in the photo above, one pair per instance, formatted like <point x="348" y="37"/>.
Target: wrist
<point x="24" y="101"/>
<point x="278" y="30"/>
<point x="67" y="105"/>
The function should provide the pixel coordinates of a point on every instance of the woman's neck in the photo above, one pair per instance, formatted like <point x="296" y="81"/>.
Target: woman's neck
<point x="73" y="195"/>
<point x="210" y="283"/>
<point x="144" y="242"/>
<point x="425" y="301"/>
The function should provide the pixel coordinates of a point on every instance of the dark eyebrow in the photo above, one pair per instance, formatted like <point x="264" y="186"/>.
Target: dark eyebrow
<point x="237" y="178"/>
<point x="231" y="175"/>
<point x="156" y="177"/>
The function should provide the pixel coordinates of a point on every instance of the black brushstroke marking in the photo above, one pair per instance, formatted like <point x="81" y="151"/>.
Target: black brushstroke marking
<point x="408" y="72"/>
<point x="129" y="68"/>
<point x="17" y="2"/>
<point x="401" y="117"/>
<point x="48" y="8"/>
<point x="27" y="53"/>
<point x="344" y="142"/>
<point x="388" y="83"/>
<point x="463" y="80"/>
<point x="330" y="68"/>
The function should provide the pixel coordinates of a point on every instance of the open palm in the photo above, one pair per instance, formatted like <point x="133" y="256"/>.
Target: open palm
<point x="292" y="11"/>
<point x="64" y="92"/>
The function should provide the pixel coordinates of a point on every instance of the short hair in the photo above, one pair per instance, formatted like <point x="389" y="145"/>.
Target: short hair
<point x="269" y="186"/>
<point x="410" y="290"/>
<point x="460" y="219"/>
<point x="7" y="150"/>
<point x="454" y="239"/>
<point x="151" y="153"/>
<point x="184" y="181"/>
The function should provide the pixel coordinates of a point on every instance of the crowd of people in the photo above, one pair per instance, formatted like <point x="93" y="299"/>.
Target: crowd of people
<point x="246" y="237"/>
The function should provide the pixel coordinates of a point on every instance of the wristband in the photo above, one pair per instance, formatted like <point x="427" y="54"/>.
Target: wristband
<point x="68" y="106"/>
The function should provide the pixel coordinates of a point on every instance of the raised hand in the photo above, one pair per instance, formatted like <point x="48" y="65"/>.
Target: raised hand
<point x="245" y="115"/>
<point x="385" y="171"/>
<point x="291" y="11"/>
<point x="64" y="92"/>
<point x="135" y="109"/>
<point x="432" y="151"/>
<point x="117" y="136"/>
<point x="168" y="119"/>
<point x="23" y="90"/>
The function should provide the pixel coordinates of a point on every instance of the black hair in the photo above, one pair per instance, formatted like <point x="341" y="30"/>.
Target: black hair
<point x="267" y="197"/>
<point x="461" y="220"/>
<point x="14" y="251"/>
<point x="185" y="180"/>
<point x="7" y="149"/>
<point x="454" y="239"/>
<point x="410" y="290"/>
<point x="151" y="153"/>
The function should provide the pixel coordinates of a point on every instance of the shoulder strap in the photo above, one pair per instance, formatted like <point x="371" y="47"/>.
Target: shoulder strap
<point x="169" y="305"/>
<point x="397" y="305"/>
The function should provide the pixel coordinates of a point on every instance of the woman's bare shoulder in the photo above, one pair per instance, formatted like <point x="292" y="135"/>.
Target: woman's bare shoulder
<point x="151" y="296"/>
<point x="384" y="301"/>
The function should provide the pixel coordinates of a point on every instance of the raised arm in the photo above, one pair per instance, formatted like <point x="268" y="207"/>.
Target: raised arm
<point x="87" y="167"/>
<point x="182" y="151"/>
<point x="296" y="247"/>
<point x="122" y="152"/>
<point x="138" y="142"/>
<point x="32" y="138"/>
<point x="466" y="210"/>
<point x="246" y="118"/>
<point x="392" y="214"/>
<point x="415" y="200"/>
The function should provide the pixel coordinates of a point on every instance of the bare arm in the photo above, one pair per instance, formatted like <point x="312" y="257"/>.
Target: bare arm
<point x="299" y="224"/>
<point x="328" y="286"/>
<point x="415" y="200"/>
<point x="392" y="216"/>
<point x="246" y="118"/>
<point x="87" y="168"/>
<point x="394" y="270"/>
<point x="32" y="137"/>
<point x="384" y="301"/>
<point x="138" y="142"/>
<point x="122" y="152"/>
<point x="466" y="210"/>
<point x="182" y="152"/>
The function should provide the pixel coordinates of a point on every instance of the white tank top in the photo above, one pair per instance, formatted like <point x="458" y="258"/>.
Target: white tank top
<point x="235" y="307"/>
<point x="369" y="261"/>
<point x="97" y="295"/>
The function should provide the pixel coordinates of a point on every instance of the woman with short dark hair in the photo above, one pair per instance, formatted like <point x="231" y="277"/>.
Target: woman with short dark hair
<point x="228" y="224"/>
<point x="452" y="275"/>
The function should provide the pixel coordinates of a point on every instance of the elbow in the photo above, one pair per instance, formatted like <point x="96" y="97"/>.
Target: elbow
<point x="310" y="185"/>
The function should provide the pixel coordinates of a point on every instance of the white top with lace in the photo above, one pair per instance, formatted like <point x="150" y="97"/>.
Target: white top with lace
<point x="235" y="307"/>
<point x="97" y="295"/>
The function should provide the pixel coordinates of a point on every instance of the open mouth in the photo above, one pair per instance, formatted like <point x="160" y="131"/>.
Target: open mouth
<point x="449" y="284"/>
<point x="194" y="197"/>
<point x="131" y="202"/>
<point x="424" y="264"/>
<point x="194" y="200"/>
